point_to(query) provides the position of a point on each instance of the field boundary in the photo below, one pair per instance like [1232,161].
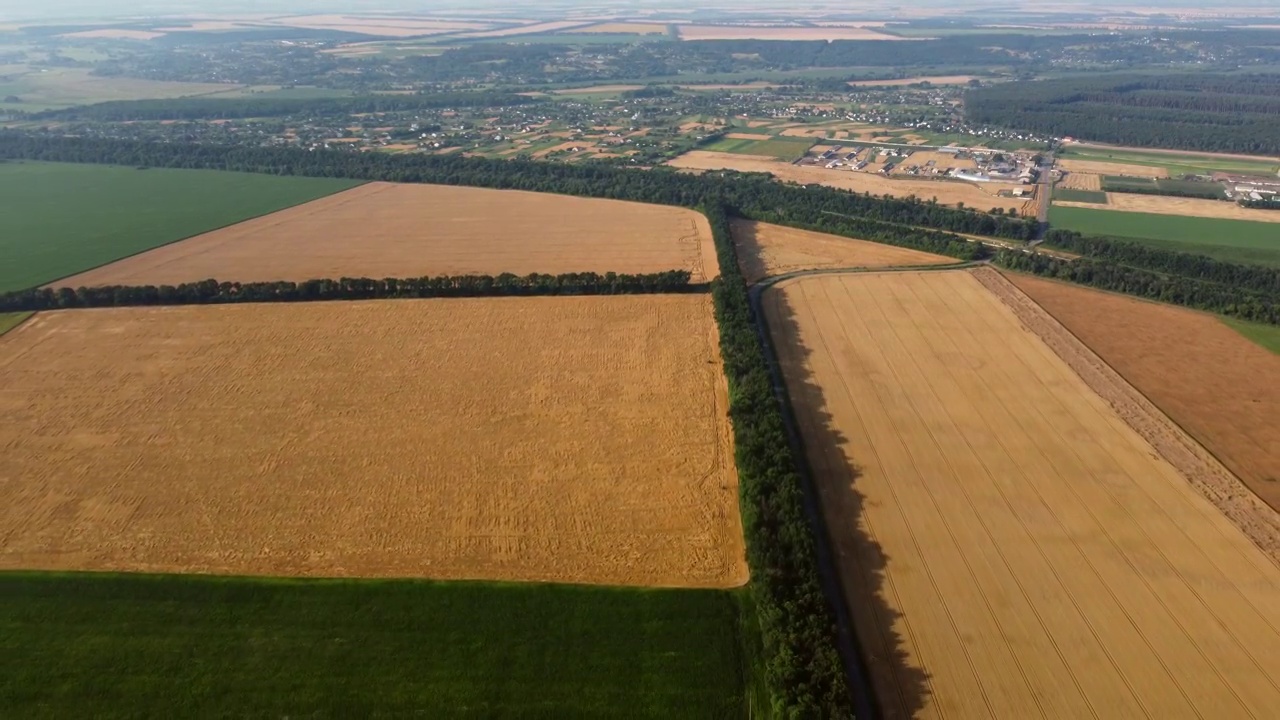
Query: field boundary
[1202,470]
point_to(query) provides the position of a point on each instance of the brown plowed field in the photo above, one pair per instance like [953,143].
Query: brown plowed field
[1221,388]
[387,230]
[557,439]
[765,250]
[1190,207]
[1081,181]
[948,192]
[1011,547]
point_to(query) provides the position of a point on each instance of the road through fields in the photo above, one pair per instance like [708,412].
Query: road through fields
[1009,546]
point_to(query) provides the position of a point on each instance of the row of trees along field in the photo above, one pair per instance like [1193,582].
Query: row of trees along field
[252,107]
[802,665]
[1105,275]
[1253,278]
[1226,113]
[212,292]
[752,193]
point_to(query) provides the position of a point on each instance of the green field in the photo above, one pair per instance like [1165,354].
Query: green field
[99,645]
[55,88]
[1176,164]
[1268,336]
[782,148]
[1084,196]
[1239,241]
[9,321]
[60,219]
[1167,186]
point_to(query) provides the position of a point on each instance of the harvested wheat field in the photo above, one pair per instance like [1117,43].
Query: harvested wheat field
[1221,388]
[765,250]
[558,439]
[1094,167]
[1011,547]
[751,32]
[948,192]
[1190,207]
[1081,181]
[386,230]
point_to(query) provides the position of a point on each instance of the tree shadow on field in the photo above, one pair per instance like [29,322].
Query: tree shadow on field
[898,687]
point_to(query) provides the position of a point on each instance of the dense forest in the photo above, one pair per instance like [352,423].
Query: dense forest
[802,664]
[212,292]
[752,194]
[1216,297]
[198,108]
[1198,267]
[1226,113]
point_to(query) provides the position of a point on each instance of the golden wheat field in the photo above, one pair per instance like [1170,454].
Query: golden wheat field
[387,230]
[1010,547]
[550,439]
[1081,181]
[765,250]
[948,192]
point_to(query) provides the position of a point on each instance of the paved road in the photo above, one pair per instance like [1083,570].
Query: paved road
[1043,194]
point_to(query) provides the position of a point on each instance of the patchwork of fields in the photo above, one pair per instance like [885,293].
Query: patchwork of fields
[558,439]
[60,219]
[1010,546]
[1221,388]
[388,230]
[1241,241]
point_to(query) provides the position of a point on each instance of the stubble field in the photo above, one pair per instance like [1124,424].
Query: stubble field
[765,250]
[551,439]
[388,230]
[947,192]
[1221,388]
[1081,181]
[1096,167]
[1010,546]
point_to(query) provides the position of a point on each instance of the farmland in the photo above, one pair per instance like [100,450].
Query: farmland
[1222,389]
[389,230]
[1010,546]
[46,88]
[80,645]
[780,148]
[554,439]
[9,321]
[1181,206]
[1072,195]
[765,250]
[1238,241]
[947,192]
[751,32]
[1163,163]
[122,211]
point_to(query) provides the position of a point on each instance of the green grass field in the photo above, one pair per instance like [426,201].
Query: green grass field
[1169,186]
[1085,196]
[1268,336]
[100,645]
[1239,241]
[1176,164]
[9,321]
[60,219]
[782,148]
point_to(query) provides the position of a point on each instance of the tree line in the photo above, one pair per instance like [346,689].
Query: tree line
[802,665]
[1228,113]
[749,192]
[198,108]
[212,292]
[1215,297]
[1252,278]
